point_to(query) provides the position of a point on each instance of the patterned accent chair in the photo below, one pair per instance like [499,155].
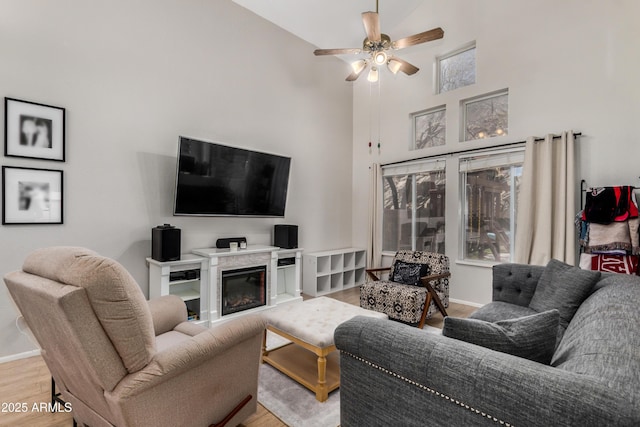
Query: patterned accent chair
[417,287]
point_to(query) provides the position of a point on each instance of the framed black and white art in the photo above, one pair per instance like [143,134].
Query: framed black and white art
[31,196]
[33,130]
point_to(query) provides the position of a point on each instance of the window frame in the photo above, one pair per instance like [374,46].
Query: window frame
[438,67]
[483,97]
[517,157]
[410,168]
[414,116]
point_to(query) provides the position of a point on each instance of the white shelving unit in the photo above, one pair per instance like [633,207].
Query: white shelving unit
[330,271]
[186,278]
[289,275]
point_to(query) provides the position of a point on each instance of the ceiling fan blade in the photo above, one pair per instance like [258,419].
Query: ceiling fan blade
[405,67]
[337,51]
[427,36]
[354,76]
[371,23]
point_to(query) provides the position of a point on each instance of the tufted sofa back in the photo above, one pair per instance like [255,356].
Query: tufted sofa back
[515,283]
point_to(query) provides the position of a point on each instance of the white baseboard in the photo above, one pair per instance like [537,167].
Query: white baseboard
[19,356]
[459,301]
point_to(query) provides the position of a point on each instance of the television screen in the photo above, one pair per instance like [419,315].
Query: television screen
[215,179]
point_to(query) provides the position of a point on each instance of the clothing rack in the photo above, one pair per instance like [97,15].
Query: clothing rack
[474,150]
[583,192]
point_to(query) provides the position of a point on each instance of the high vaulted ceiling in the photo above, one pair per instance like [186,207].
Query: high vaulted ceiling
[332,23]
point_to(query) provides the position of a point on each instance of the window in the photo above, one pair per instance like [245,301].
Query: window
[413,206]
[490,192]
[429,128]
[486,116]
[456,69]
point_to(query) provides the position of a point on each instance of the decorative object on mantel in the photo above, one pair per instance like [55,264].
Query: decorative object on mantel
[377,47]
[33,130]
[31,196]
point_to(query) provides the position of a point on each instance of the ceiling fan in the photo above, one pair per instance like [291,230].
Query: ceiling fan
[379,47]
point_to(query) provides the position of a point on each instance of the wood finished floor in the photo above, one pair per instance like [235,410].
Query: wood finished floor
[28,381]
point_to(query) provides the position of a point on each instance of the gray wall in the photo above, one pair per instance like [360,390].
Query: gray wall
[133,76]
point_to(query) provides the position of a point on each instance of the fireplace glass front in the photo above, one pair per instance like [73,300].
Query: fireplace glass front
[243,289]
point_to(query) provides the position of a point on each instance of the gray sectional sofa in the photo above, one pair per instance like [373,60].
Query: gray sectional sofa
[395,375]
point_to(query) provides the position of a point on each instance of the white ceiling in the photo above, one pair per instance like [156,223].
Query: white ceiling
[332,24]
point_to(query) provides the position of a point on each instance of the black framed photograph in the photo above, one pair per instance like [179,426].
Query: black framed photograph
[33,130]
[31,196]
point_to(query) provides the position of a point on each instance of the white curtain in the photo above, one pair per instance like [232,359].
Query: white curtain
[374,237]
[546,206]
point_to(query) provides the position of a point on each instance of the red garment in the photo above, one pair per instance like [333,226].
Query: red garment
[605,205]
[626,264]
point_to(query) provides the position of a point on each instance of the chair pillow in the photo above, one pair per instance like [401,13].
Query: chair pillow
[563,287]
[408,273]
[531,337]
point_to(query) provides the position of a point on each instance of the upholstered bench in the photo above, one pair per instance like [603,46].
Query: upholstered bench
[310,358]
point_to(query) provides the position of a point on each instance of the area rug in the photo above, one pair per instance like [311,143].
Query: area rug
[292,403]
[295,405]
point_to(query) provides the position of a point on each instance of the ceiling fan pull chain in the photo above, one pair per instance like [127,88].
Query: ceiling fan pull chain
[370,119]
[379,108]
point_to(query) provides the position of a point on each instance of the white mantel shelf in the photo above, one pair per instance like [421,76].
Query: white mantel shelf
[217,252]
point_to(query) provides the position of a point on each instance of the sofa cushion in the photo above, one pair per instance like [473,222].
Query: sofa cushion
[563,287]
[409,273]
[603,338]
[498,310]
[532,337]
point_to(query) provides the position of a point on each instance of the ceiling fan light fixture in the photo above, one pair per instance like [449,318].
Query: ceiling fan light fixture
[373,75]
[380,58]
[394,66]
[358,66]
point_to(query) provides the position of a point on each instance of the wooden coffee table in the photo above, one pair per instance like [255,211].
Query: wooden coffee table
[310,358]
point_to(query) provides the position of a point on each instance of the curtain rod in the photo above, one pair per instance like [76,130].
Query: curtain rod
[471,150]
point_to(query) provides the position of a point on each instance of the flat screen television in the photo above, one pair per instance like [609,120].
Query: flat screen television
[218,180]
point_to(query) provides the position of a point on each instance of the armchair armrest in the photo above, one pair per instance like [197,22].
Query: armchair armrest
[425,280]
[179,359]
[371,272]
[167,312]
[395,374]
[207,376]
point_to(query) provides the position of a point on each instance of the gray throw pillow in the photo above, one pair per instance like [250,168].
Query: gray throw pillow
[563,287]
[531,337]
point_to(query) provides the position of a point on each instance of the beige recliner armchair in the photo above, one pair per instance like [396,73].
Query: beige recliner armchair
[120,360]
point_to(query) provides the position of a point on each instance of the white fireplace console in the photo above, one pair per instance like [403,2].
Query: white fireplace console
[282,277]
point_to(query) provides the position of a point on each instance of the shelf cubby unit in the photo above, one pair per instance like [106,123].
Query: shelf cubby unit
[336,263]
[185,278]
[331,271]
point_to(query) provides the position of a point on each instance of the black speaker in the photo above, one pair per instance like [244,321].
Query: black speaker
[224,243]
[165,243]
[285,236]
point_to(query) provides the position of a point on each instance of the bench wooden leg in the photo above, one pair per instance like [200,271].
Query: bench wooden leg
[322,393]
